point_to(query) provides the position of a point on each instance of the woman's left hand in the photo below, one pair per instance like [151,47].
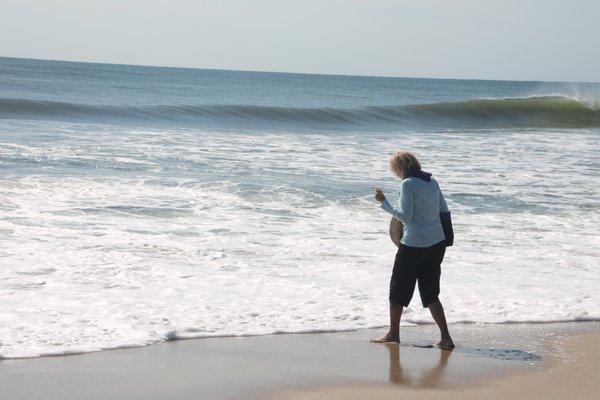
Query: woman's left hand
[379,196]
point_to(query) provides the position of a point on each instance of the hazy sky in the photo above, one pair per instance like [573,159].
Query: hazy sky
[500,39]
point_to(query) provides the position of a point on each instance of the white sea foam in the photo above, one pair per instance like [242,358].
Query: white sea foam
[115,238]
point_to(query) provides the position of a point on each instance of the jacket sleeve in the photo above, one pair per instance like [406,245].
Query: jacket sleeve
[406,210]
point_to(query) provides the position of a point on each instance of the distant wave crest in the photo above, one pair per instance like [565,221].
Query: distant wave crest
[536,111]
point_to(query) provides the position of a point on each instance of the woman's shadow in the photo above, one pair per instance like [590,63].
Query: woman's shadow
[431,377]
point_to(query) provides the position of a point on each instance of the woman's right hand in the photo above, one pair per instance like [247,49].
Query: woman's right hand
[379,196]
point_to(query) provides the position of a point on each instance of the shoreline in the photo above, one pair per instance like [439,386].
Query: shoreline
[71,353]
[294,365]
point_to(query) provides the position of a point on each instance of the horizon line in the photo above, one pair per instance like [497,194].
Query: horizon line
[291,72]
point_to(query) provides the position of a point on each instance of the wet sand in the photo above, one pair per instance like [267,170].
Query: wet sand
[574,376]
[310,366]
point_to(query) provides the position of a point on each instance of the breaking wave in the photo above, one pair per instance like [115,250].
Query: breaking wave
[536,111]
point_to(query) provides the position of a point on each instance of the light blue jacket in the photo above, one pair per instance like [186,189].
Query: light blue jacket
[420,205]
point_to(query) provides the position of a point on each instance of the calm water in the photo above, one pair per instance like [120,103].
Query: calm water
[143,204]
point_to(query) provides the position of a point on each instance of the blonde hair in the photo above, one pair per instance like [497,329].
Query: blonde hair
[402,162]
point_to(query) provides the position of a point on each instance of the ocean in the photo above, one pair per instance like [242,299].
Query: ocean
[146,204]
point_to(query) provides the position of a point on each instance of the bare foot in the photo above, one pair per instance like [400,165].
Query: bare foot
[389,338]
[445,344]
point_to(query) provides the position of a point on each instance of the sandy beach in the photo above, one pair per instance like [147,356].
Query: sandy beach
[571,377]
[515,360]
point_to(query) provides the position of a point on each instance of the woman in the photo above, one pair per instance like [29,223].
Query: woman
[422,247]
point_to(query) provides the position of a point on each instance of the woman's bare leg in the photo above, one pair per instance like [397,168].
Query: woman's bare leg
[393,334]
[437,312]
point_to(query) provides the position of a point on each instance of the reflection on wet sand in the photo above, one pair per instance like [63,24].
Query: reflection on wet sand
[431,377]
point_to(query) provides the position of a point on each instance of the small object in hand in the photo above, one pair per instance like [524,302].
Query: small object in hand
[396,231]
[379,196]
